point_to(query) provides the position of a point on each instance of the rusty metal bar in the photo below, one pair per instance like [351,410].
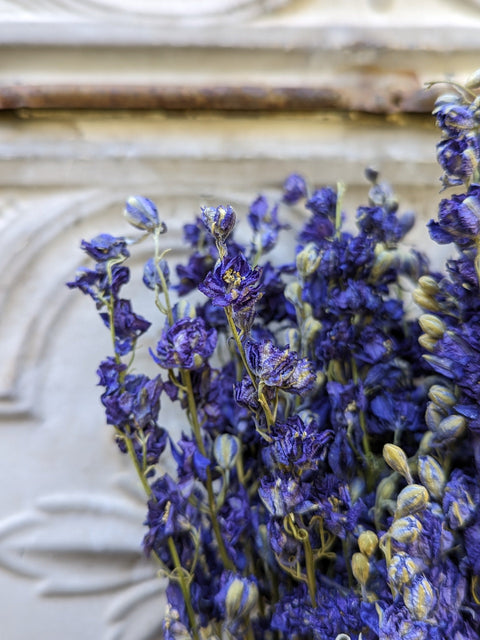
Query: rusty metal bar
[216,98]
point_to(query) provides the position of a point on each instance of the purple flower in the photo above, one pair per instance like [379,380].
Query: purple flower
[458,158]
[232,283]
[321,225]
[105,247]
[294,189]
[170,515]
[458,219]
[193,273]
[151,277]
[281,368]
[297,444]
[453,118]
[282,494]
[187,344]
[219,221]
[459,503]
[128,326]
[142,213]
[265,224]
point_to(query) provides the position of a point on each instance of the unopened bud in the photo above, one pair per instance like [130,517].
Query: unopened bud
[397,460]
[427,342]
[451,427]
[428,285]
[308,260]
[425,301]
[432,476]
[142,213]
[473,80]
[293,338]
[433,416]
[360,568]
[432,325]
[442,396]
[411,499]
[293,293]
[153,273]
[419,597]
[226,449]
[241,598]
[402,569]
[406,529]
[310,328]
[219,221]
[383,262]
[368,543]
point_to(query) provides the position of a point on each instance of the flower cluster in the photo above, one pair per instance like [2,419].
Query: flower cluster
[327,478]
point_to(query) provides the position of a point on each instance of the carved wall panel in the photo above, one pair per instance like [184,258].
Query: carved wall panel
[237,95]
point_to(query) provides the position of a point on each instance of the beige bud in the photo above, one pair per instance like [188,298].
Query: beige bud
[425,301]
[451,427]
[411,499]
[402,569]
[406,529]
[428,285]
[396,459]
[432,476]
[368,543]
[442,396]
[419,597]
[427,342]
[432,325]
[308,260]
[360,568]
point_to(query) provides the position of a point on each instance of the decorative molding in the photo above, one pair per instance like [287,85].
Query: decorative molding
[75,545]
[161,10]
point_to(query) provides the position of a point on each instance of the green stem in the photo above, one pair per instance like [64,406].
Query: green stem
[338,208]
[241,351]
[192,408]
[183,586]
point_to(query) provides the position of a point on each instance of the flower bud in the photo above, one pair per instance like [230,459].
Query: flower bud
[428,285]
[142,213]
[402,569]
[427,342]
[293,339]
[442,396]
[368,543]
[473,80]
[383,262]
[432,325]
[432,476]
[310,328]
[451,427]
[433,416]
[360,568]
[426,443]
[219,221]
[293,293]
[419,597]
[425,301]
[226,449]
[397,460]
[406,529]
[308,260]
[151,275]
[411,499]
[241,598]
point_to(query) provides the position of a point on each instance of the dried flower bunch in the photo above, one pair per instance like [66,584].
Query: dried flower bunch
[328,474]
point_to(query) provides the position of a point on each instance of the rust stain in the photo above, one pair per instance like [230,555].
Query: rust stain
[369,96]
